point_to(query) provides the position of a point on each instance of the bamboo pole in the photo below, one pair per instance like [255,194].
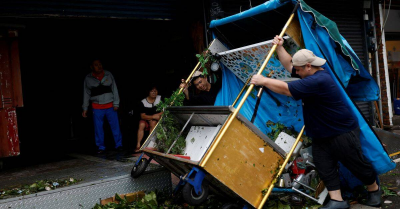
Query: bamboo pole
[190,76]
[234,114]
[241,92]
[194,70]
[271,186]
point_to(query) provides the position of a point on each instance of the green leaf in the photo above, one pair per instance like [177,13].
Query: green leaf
[283,206]
[117,197]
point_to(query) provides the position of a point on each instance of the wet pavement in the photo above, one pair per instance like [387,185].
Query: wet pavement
[391,180]
[78,166]
[93,168]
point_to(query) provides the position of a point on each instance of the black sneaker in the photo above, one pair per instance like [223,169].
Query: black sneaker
[120,149]
[374,198]
[100,152]
[334,204]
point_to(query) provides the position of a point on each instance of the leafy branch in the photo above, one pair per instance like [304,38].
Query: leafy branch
[277,128]
[168,129]
[38,186]
[204,59]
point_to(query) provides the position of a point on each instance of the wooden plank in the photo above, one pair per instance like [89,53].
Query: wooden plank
[130,197]
[170,156]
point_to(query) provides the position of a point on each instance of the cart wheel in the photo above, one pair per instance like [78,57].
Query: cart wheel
[139,169]
[230,206]
[190,196]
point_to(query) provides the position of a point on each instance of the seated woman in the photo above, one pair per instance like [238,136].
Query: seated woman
[148,114]
[207,91]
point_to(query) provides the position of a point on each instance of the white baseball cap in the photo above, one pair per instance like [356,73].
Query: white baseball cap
[304,56]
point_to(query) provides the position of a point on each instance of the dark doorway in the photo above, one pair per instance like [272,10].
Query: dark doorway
[55,56]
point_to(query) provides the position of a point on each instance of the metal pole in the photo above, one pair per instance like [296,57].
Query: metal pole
[305,194]
[234,114]
[154,129]
[378,80]
[190,76]
[281,169]
[180,133]
[241,92]
[385,67]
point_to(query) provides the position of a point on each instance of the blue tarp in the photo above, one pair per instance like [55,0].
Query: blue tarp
[322,39]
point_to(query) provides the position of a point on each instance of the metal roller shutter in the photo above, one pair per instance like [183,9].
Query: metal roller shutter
[141,9]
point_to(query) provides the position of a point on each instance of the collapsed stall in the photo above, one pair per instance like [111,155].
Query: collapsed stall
[236,147]
[321,36]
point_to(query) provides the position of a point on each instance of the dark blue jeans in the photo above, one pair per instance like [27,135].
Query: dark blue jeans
[98,119]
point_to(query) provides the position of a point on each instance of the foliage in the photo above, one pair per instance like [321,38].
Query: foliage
[277,128]
[149,201]
[157,200]
[176,99]
[387,192]
[277,204]
[38,186]
[168,129]
[204,59]
[284,203]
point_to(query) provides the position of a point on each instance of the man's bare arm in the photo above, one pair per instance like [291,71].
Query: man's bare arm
[284,57]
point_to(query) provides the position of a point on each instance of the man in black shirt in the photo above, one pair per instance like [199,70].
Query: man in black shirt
[328,120]
[208,91]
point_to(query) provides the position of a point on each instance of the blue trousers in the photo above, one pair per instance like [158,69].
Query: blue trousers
[98,119]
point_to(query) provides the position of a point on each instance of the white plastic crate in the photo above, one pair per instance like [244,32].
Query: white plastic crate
[198,140]
[285,141]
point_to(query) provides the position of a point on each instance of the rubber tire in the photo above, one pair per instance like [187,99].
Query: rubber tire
[190,196]
[230,206]
[140,168]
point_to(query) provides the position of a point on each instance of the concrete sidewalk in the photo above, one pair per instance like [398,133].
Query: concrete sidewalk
[391,180]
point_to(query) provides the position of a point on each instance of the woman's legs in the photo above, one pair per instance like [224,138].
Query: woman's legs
[152,124]
[142,126]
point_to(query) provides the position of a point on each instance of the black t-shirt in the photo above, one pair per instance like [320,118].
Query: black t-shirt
[324,110]
[204,97]
[149,108]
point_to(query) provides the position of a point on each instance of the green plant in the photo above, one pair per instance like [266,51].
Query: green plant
[387,192]
[167,131]
[277,204]
[204,59]
[168,128]
[149,201]
[38,186]
[176,99]
[159,200]
[277,128]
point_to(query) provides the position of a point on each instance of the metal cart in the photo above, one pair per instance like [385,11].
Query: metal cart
[243,163]
[234,157]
